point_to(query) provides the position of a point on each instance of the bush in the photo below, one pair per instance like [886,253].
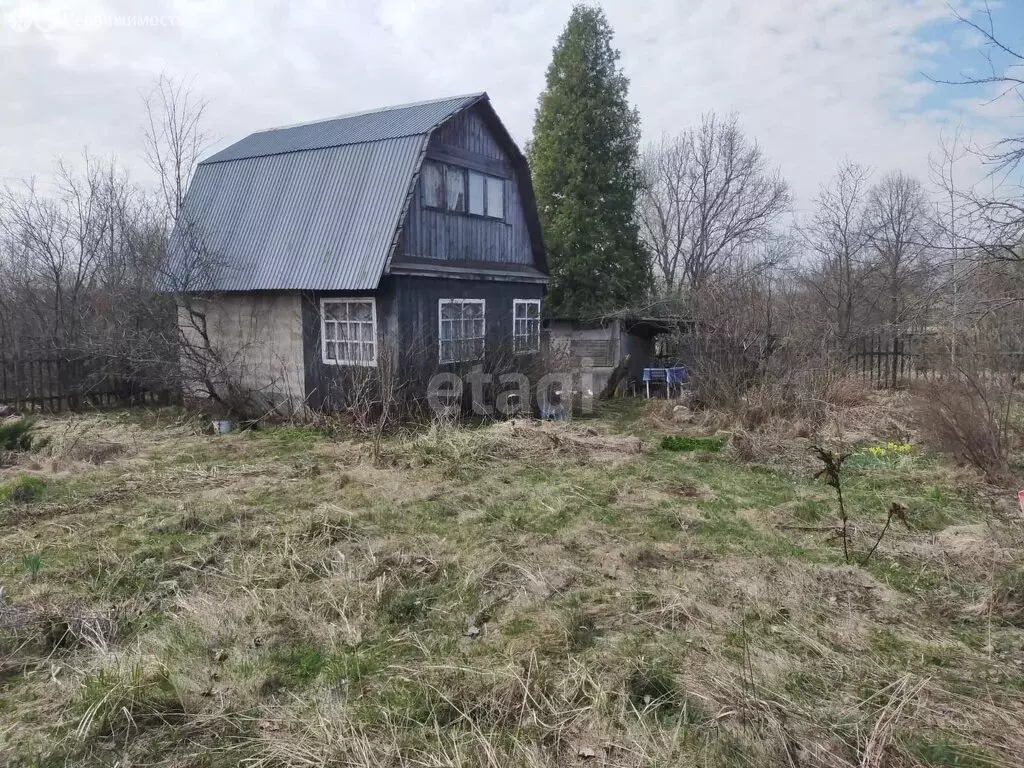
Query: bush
[16,435]
[969,420]
[22,489]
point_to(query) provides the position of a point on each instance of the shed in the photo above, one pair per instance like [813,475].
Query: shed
[601,343]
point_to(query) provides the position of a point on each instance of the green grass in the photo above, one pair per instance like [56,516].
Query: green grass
[945,751]
[683,443]
[22,490]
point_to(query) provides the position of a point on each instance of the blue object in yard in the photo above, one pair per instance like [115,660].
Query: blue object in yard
[675,375]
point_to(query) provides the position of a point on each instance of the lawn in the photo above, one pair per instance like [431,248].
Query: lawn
[517,594]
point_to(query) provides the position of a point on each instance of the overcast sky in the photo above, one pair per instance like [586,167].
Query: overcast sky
[812,80]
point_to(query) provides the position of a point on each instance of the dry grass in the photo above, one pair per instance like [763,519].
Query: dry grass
[520,594]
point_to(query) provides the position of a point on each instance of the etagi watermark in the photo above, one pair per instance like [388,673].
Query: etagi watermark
[50,20]
[510,394]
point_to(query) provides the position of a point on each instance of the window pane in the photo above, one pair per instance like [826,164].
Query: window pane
[533,309]
[455,189]
[367,331]
[330,331]
[495,198]
[330,351]
[449,310]
[446,351]
[433,185]
[361,311]
[334,311]
[476,193]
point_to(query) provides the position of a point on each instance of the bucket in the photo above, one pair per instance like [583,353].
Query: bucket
[221,427]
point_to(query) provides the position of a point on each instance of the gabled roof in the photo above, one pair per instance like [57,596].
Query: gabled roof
[316,206]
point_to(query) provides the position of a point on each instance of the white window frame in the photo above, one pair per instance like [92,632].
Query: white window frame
[372,301]
[516,303]
[440,333]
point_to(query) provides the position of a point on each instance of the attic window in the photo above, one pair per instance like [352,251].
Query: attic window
[457,190]
[433,185]
[349,331]
[486,195]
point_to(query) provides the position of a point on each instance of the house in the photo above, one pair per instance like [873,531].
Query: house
[405,237]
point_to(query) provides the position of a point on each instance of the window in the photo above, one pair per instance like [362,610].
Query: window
[461,329]
[455,189]
[349,331]
[433,185]
[477,196]
[460,191]
[495,198]
[526,325]
[486,195]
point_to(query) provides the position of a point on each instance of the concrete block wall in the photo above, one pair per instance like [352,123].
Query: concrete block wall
[256,339]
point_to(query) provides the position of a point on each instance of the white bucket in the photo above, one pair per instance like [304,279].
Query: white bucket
[221,427]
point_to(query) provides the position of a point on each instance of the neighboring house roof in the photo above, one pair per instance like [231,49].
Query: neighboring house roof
[316,206]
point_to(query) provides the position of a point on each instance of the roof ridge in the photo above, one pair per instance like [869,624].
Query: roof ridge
[212,161]
[378,110]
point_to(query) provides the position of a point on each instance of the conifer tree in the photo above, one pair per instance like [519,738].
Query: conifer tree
[585,161]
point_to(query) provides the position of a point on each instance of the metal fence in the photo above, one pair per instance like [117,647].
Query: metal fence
[61,383]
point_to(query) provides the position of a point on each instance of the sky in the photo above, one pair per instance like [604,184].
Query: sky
[813,81]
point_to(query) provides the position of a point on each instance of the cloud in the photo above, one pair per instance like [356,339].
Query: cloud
[813,81]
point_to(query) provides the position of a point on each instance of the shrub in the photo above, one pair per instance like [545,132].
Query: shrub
[682,443]
[22,489]
[16,435]
[969,420]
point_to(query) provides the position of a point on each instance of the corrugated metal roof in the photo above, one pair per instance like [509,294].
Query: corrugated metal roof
[387,123]
[317,220]
[306,207]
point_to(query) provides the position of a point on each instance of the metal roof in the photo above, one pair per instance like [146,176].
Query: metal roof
[375,125]
[306,207]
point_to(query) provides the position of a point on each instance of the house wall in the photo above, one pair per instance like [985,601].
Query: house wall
[434,234]
[255,344]
[407,330]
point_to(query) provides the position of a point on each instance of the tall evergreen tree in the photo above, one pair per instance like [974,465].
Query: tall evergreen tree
[585,160]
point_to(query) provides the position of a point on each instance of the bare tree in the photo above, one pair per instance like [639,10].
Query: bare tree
[1005,65]
[837,236]
[901,232]
[174,138]
[996,207]
[709,194]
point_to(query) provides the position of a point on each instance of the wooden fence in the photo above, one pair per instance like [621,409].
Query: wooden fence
[897,361]
[58,383]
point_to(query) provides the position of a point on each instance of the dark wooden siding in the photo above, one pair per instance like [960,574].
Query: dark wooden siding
[437,234]
[407,326]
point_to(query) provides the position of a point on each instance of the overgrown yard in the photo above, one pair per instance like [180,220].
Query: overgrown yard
[518,594]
